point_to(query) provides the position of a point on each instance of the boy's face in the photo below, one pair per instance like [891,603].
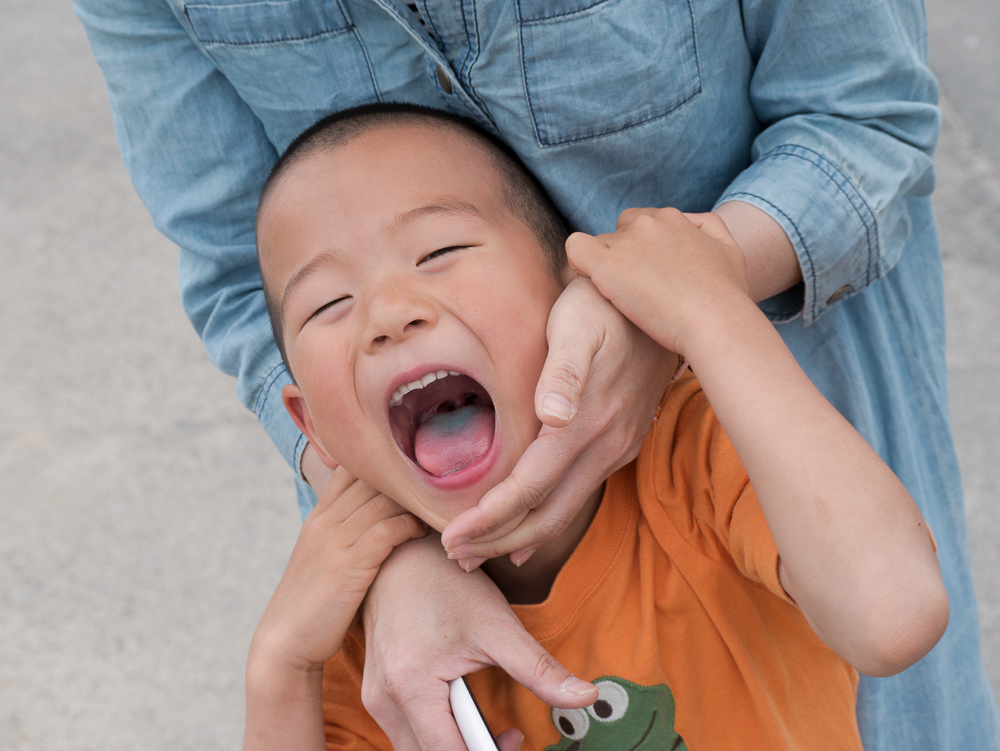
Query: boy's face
[402,267]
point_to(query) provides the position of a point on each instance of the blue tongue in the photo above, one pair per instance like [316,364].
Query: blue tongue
[451,441]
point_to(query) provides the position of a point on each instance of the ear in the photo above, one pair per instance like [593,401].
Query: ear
[296,405]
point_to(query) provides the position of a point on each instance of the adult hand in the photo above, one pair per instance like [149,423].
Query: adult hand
[461,624]
[596,397]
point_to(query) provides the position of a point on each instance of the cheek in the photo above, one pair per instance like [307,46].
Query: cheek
[514,334]
[324,374]
[518,329]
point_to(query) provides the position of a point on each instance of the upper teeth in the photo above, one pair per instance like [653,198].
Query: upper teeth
[397,396]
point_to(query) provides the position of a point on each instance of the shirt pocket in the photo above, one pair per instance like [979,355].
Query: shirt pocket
[594,68]
[292,61]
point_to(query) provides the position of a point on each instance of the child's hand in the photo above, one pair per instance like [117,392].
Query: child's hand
[664,270]
[345,539]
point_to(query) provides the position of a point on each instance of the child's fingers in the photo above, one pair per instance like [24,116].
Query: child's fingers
[376,510]
[342,507]
[712,225]
[630,215]
[340,482]
[379,539]
[583,251]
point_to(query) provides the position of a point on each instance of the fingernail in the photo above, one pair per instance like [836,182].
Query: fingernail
[457,554]
[518,746]
[452,544]
[577,687]
[555,405]
[472,564]
[521,556]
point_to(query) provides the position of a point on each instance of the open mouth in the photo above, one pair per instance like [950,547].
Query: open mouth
[444,421]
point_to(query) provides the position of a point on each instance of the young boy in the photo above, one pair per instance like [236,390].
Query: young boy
[409,265]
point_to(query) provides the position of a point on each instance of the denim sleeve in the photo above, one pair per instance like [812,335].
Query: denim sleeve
[850,122]
[197,157]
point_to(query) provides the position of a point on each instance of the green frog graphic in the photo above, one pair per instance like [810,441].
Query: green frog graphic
[625,717]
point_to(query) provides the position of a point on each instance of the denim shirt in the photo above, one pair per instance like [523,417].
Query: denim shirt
[822,114]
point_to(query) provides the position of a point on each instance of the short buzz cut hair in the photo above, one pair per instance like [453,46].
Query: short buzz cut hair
[523,195]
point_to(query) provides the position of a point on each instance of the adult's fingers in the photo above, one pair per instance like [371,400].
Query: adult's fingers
[561,505]
[575,332]
[415,714]
[525,660]
[538,470]
[577,327]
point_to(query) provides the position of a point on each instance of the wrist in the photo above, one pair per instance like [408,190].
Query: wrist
[731,321]
[274,677]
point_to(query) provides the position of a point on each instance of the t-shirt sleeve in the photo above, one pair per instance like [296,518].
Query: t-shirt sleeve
[347,724]
[750,543]
[704,488]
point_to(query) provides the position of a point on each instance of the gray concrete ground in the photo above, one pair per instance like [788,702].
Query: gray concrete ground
[145,516]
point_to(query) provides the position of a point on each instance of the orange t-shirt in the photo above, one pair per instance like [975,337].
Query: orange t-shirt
[670,603]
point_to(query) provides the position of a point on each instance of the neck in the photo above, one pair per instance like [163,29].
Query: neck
[531,582]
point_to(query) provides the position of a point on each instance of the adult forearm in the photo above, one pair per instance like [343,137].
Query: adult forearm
[772,265]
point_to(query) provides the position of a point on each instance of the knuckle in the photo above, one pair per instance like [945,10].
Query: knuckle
[387,530]
[624,440]
[627,215]
[550,527]
[546,665]
[530,495]
[568,374]
[395,685]
[384,505]
[620,445]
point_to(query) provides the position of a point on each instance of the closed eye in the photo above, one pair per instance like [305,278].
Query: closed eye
[328,305]
[441,252]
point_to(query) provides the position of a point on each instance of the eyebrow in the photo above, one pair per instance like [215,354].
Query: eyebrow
[448,206]
[326,258]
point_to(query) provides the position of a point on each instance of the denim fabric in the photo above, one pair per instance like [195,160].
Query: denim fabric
[821,114]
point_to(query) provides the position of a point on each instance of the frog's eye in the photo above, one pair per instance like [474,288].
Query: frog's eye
[611,704]
[573,723]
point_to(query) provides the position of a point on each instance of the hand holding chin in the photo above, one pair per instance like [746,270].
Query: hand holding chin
[596,397]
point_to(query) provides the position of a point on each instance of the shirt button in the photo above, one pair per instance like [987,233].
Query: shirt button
[444,80]
[838,294]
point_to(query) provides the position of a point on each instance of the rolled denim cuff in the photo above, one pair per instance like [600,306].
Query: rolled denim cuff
[831,227]
[271,413]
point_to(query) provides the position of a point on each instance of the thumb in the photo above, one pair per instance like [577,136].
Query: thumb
[510,740]
[527,662]
[582,250]
[712,225]
[572,347]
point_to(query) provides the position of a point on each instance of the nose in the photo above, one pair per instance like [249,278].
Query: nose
[396,314]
